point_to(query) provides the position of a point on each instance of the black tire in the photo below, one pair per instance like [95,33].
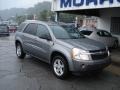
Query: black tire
[22,54]
[97,72]
[8,35]
[115,45]
[65,69]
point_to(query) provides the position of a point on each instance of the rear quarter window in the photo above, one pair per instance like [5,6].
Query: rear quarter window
[21,27]
[31,29]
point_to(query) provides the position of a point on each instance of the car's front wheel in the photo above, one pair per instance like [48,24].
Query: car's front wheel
[60,67]
[19,51]
[115,44]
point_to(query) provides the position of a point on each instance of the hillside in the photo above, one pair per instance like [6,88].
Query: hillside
[6,14]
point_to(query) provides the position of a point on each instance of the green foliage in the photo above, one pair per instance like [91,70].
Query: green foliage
[20,19]
[30,17]
[44,15]
[43,12]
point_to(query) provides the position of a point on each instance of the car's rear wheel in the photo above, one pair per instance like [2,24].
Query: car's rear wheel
[19,51]
[60,67]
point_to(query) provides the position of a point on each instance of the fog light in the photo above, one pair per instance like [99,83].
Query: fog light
[83,66]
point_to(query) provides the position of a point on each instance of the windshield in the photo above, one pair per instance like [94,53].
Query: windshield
[61,33]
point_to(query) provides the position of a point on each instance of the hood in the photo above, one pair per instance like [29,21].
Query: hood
[83,43]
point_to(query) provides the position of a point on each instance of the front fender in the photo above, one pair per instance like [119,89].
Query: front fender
[67,54]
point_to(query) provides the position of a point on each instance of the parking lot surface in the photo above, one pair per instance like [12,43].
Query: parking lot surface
[32,74]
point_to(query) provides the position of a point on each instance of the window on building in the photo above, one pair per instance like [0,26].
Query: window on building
[115,25]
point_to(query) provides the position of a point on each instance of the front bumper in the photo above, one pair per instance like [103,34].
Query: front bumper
[91,65]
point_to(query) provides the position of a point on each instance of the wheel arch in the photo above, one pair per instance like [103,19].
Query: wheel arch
[54,53]
[17,41]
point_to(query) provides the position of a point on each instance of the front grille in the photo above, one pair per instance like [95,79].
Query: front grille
[99,54]
[95,51]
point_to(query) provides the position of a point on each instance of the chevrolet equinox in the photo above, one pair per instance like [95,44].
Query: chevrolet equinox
[64,51]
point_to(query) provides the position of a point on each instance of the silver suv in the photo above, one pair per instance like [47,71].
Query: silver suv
[64,51]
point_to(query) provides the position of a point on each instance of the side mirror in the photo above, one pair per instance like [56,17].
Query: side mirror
[46,36]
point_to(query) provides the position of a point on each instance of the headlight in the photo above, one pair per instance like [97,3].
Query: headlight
[78,54]
[108,53]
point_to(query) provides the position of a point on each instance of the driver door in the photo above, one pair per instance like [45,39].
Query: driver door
[43,46]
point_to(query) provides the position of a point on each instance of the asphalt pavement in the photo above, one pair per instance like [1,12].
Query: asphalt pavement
[32,74]
[115,55]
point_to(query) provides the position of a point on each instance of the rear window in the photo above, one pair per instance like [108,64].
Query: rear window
[86,32]
[21,27]
[3,28]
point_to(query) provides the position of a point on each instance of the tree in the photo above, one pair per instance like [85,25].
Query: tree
[30,17]
[43,15]
[46,15]
[20,19]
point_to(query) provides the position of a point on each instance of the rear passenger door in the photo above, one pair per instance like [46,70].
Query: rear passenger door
[29,36]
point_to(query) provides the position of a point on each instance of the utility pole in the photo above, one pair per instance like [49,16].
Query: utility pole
[1,20]
[57,16]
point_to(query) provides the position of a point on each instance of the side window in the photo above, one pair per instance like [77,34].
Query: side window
[86,32]
[100,33]
[107,34]
[104,34]
[42,31]
[31,29]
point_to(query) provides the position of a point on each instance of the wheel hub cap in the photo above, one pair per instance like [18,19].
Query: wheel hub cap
[18,50]
[58,67]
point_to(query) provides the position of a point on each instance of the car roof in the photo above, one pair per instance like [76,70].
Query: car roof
[102,30]
[41,22]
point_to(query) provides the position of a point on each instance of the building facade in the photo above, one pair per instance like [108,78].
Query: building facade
[106,11]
